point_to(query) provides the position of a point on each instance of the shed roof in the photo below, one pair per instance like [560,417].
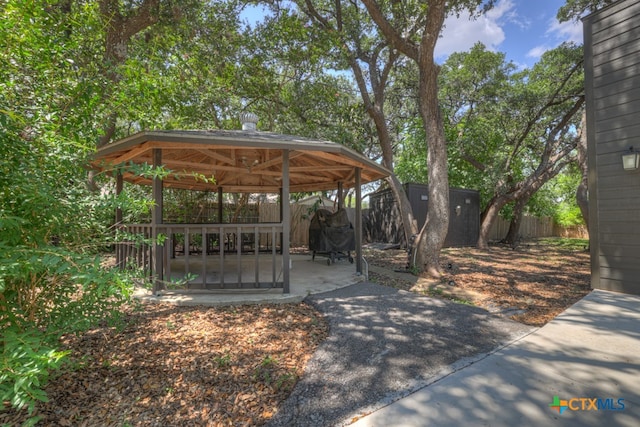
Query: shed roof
[240,161]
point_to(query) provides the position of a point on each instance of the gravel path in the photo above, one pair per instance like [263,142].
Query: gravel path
[384,344]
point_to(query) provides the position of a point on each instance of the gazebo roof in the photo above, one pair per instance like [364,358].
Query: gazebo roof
[240,161]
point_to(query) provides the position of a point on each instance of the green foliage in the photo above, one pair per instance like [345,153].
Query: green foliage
[510,131]
[565,243]
[51,227]
[268,371]
[24,368]
[411,164]
[265,371]
[51,279]
[45,292]
[568,216]
[222,361]
[576,9]
[472,86]
[557,199]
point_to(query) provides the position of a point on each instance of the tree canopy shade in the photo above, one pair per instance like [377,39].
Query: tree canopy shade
[238,161]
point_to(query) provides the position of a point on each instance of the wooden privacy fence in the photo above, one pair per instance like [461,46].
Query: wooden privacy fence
[537,227]
[531,227]
[573,232]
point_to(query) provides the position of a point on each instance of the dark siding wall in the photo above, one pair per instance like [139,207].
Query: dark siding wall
[384,223]
[464,222]
[612,74]
[464,218]
[418,195]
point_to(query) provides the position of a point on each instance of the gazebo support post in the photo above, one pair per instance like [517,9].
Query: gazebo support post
[156,220]
[358,220]
[286,222]
[340,195]
[120,259]
[281,220]
[119,187]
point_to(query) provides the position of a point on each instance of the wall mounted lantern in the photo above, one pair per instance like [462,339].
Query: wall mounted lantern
[630,160]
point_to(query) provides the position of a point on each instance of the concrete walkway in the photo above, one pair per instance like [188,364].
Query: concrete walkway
[384,344]
[590,351]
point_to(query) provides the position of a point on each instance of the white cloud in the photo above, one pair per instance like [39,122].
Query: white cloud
[537,51]
[460,34]
[566,31]
[557,33]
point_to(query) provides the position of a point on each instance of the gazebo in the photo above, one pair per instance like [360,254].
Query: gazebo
[247,161]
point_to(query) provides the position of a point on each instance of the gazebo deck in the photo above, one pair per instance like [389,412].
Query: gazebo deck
[307,277]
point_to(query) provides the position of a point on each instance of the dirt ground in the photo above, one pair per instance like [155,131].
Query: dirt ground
[196,366]
[531,283]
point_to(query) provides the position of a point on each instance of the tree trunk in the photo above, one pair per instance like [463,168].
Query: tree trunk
[513,235]
[409,223]
[582,199]
[434,231]
[375,109]
[487,218]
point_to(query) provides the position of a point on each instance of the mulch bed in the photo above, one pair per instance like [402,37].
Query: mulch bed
[536,281]
[183,366]
[234,366]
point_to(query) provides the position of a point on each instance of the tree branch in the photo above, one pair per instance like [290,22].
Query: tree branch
[397,41]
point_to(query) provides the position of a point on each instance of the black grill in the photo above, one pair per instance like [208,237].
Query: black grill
[332,235]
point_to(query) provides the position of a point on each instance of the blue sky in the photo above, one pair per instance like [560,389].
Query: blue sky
[522,29]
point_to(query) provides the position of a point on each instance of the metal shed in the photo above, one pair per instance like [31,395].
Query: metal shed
[464,217]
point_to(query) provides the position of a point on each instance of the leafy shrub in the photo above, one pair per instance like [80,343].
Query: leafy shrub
[46,292]
[52,228]
[26,362]
[52,283]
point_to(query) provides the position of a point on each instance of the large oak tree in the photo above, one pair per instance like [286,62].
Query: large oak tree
[413,28]
[517,129]
[356,45]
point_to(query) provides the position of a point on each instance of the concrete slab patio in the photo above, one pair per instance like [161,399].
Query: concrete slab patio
[550,377]
[307,277]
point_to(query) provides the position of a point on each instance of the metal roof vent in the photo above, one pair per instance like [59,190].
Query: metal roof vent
[249,122]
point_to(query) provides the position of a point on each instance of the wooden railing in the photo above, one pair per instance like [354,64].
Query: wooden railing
[206,256]
[134,248]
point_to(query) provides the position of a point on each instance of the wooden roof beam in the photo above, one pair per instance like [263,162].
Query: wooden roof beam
[217,156]
[336,158]
[275,161]
[138,151]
